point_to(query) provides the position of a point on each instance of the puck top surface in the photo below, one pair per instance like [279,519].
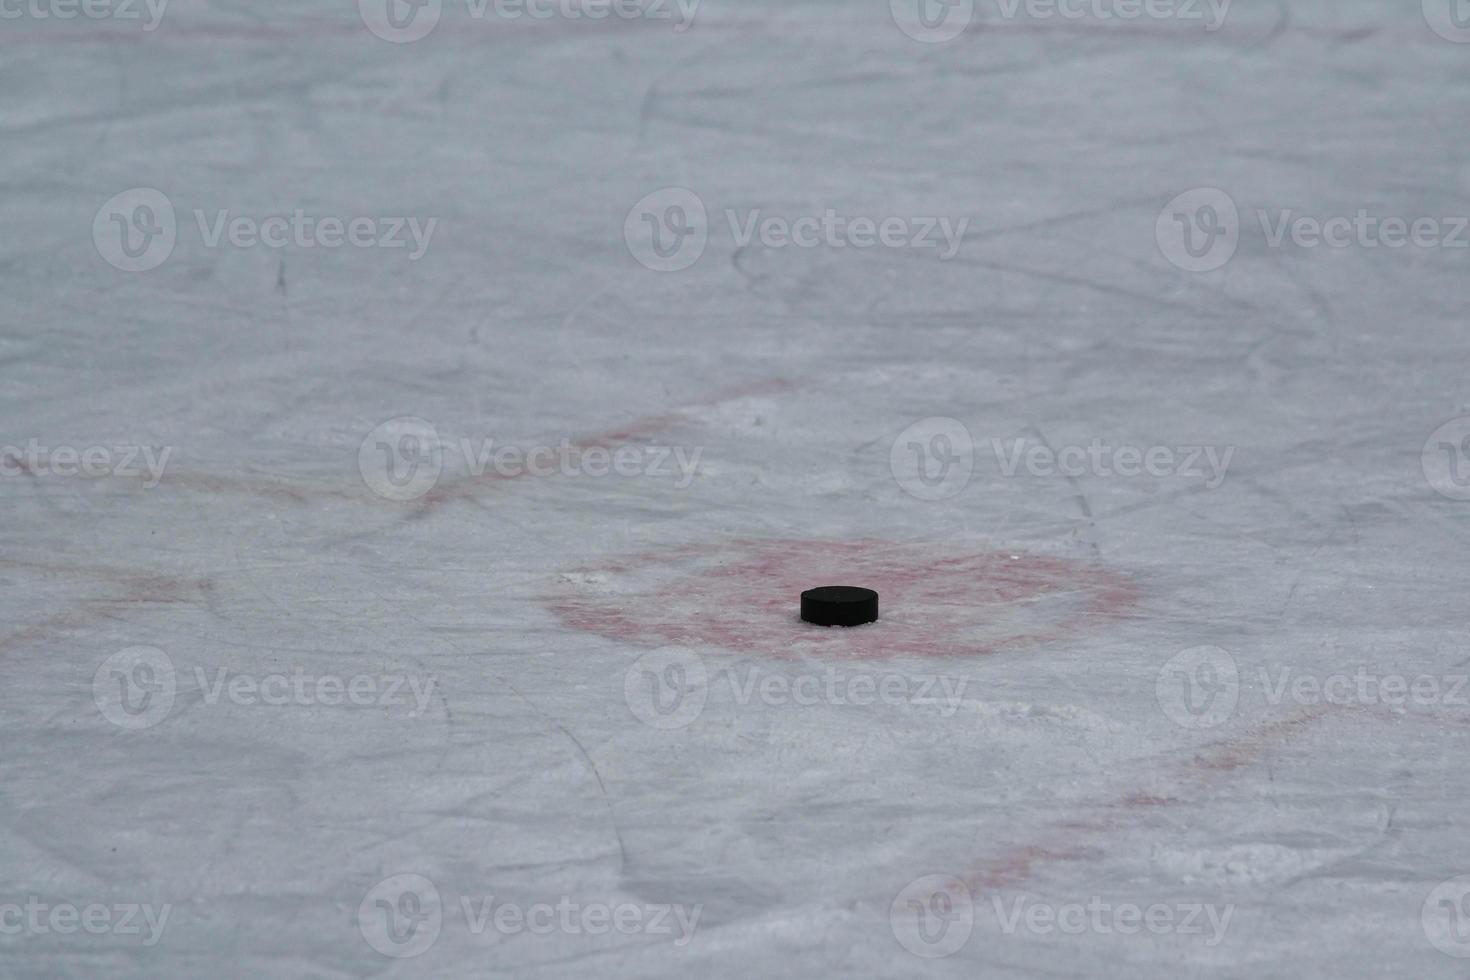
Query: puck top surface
[839,605]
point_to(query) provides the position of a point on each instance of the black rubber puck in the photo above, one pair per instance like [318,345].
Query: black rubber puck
[839,605]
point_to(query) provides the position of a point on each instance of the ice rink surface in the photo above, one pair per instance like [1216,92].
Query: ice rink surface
[419,428]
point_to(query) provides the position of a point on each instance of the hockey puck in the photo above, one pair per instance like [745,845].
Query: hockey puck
[839,605]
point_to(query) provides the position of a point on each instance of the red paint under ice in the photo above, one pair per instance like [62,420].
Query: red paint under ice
[935,600]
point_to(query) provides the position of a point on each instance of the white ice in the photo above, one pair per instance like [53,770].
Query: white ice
[159,818]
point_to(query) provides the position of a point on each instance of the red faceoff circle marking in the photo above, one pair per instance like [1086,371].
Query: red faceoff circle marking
[936,600]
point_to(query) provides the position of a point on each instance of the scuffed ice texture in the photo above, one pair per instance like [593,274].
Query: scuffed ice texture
[515,760]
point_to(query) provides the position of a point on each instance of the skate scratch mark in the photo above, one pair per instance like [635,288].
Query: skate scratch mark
[1078,493]
[549,720]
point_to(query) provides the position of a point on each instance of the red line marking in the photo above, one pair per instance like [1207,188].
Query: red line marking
[137,588]
[144,587]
